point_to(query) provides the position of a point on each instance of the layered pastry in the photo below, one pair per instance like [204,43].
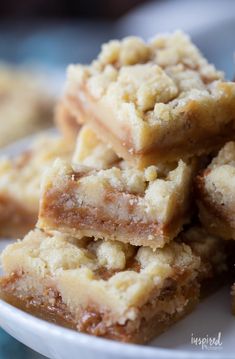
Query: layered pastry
[108,288]
[216,194]
[141,207]
[20,184]
[26,103]
[153,102]
[66,122]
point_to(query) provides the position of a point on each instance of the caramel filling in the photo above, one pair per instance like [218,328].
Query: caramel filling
[56,214]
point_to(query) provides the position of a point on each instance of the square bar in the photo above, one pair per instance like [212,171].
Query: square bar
[107,288]
[129,205]
[216,194]
[153,102]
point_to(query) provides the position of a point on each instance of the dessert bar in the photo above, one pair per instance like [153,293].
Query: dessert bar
[129,205]
[153,102]
[107,288]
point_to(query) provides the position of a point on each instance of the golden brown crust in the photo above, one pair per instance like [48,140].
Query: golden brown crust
[109,289]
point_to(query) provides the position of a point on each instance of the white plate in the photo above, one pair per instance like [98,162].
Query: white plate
[210,318]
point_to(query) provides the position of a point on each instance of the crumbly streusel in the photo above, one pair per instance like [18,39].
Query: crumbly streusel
[149,100]
[108,288]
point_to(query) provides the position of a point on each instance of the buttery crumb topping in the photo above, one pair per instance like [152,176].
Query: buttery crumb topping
[140,78]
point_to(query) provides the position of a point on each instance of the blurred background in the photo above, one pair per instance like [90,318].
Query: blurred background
[54,33]
[39,38]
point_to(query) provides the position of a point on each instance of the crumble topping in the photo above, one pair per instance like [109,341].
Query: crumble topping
[129,51]
[177,48]
[135,181]
[208,247]
[143,85]
[151,173]
[226,156]
[112,255]
[221,183]
[72,263]
[168,70]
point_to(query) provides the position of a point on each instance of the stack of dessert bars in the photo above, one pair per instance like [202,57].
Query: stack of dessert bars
[118,250]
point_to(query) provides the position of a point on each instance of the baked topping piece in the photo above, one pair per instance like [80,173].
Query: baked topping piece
[20,184]
[216,193]
[107,288]
[156,101]
[26,103]
[92,152]
[130,205]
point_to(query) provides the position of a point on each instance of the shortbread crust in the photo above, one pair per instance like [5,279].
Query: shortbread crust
[128,205]
[107,288]
[155,101]
[20,184]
